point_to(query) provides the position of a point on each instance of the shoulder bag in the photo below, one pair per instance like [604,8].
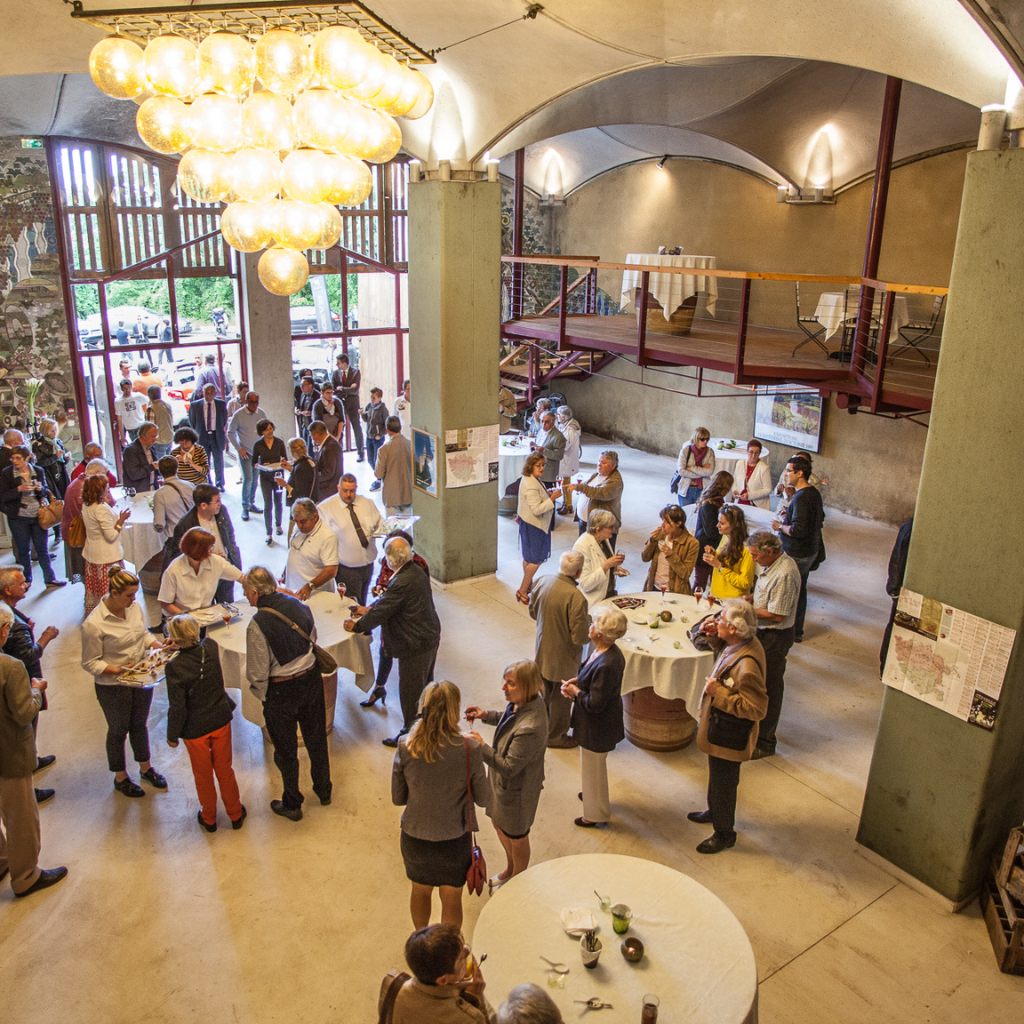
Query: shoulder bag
[50,514]
[76,532]
[390,986]
[728,730]
[325,662]
[476,876]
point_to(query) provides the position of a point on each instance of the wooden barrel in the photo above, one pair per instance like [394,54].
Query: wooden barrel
[678,323]
[149,576]
[657,723]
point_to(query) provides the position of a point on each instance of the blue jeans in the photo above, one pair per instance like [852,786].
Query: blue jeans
[373,445]
[248,482]
[690,496]
[160,450]
[25,532]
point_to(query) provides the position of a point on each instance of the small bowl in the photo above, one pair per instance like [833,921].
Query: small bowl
[632,949]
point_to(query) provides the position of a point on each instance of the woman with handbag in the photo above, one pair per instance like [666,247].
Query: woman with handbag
[733,566]
[302,481]
[695,467]
[535,515]
[436,770]
[52,458]
[734,701]
[102,550]
[596,714]
[199,712]
[515,761]
[24,499]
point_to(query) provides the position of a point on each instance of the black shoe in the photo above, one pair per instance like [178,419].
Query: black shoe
[579,796]
[44,762]
[701,817]
[152,776]
[379,694]
[360,459]
[237,823]
[129,788]
[391,741]
[583,823]
[292,813]
[270,540]
[258,511]
[798,639]
[203,825]
[245,517]
[376,485]
[325,801]
[56,583]
[44,881]
[760,752]
[717,843]
[42,795]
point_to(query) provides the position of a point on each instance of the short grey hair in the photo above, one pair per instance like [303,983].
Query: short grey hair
[566,414]
[571,563]
[741,616]
[92,446]
[7,576]
[543,403]
[13,437]
[610,453]
[306,506]
[398,552]
[611,624]
[600,519]
[6,616]
[528,1004]
[95,467]
[147,427]
[764,540]
[184,630]
[261,579]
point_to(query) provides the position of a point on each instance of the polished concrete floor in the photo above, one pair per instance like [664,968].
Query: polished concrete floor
[158,921]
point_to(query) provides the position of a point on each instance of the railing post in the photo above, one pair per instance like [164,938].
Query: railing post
[592,290]
[531,364]
[563,303]
[641,329]
[883,348]
[518,199]
[741,333]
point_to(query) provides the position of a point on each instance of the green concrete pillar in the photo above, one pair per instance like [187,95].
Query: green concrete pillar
[454,311]
[941,794]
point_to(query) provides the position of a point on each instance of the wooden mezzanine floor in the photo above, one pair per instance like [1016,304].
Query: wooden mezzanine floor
[768,358]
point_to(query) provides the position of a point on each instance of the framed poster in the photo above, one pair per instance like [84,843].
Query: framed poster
[792,420]
[424,462]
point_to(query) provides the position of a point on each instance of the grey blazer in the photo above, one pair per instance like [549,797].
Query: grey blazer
[434,792]
[516,763]
[563,625]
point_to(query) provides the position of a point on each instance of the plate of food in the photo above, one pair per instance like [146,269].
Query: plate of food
[148,672]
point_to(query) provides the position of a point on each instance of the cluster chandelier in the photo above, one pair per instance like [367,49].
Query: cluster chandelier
[281,130]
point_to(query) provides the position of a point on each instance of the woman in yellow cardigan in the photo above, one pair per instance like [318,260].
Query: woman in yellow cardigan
[732,562]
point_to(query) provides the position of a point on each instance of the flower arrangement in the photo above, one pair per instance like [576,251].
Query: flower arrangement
[34,385]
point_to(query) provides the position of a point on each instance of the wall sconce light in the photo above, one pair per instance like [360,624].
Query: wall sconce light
[444,169]
[492,170]
[415,170]
[661,162]
[993,124]
[783,194]
[819,193]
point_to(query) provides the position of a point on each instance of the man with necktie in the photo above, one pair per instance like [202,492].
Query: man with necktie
[346,387]
[208,417]
[352,519]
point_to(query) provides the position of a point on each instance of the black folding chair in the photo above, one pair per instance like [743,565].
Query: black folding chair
[913,333]
[804,323]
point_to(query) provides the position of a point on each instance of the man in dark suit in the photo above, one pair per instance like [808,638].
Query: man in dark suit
[346,387]
[327,454]
[122,334]
[208,417]
[138,465]
[209,514]
[410,628]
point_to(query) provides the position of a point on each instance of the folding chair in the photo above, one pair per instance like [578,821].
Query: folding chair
[804,322]
[915,332]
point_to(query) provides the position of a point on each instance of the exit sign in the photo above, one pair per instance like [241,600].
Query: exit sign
[31,143]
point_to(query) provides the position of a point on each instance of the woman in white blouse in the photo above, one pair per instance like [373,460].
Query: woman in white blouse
[599,561]
[190,582]
[754,482]
[114,637]
[102,549]
[536,517]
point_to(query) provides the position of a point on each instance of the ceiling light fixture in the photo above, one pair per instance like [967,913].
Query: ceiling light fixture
[661,162]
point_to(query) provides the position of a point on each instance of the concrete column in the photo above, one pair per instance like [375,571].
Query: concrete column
[269,336]
[941,794]
[454,307]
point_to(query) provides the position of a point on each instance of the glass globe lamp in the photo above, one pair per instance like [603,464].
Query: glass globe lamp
[216,122]
[171,66]
[373,81]
[297,225]
[391,145]
[255,175]
[394,79]
[331,230]
[163,124]
[268,122]
[340,57]
[306,175]
[424,98]
[283,271]
[406,97]
[322,118]
[118,68]
[226,64]
[282,61]
[203,175]
[248,227]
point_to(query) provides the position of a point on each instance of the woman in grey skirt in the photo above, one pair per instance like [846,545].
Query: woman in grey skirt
[516,763]
[432,767]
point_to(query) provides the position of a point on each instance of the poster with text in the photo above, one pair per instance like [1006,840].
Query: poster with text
[793,420]
[948,658]
[471,455]
[424,462]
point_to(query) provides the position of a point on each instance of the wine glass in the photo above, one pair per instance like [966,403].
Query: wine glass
[698,593]
[130,492]
[663,587]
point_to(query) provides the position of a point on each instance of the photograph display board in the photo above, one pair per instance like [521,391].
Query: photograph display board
[792,420]
[424,462]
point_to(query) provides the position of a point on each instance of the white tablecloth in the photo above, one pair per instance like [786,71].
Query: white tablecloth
[829,312]
[138,538]
[511,459]
[733,460]
[671,290]
[697,957]
[651,657]
[757,518]
[350,650]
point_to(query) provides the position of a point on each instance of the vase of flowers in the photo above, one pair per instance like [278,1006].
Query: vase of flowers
[33,385]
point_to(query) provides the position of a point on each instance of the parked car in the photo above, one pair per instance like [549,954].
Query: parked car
[179,383]
[304,320]
[90,328]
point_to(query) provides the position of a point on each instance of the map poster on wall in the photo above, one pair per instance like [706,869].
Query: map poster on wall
[471,456]
[793,420]
[948,658]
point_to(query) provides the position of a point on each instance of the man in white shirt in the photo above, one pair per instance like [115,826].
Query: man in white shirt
[403,408]
[312,553]
[173,500]
[242,435]
[130,410]
[352,520]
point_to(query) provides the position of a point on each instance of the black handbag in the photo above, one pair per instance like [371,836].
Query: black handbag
[728,730]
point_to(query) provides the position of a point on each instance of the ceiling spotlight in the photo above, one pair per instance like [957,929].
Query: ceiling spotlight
[661,162]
